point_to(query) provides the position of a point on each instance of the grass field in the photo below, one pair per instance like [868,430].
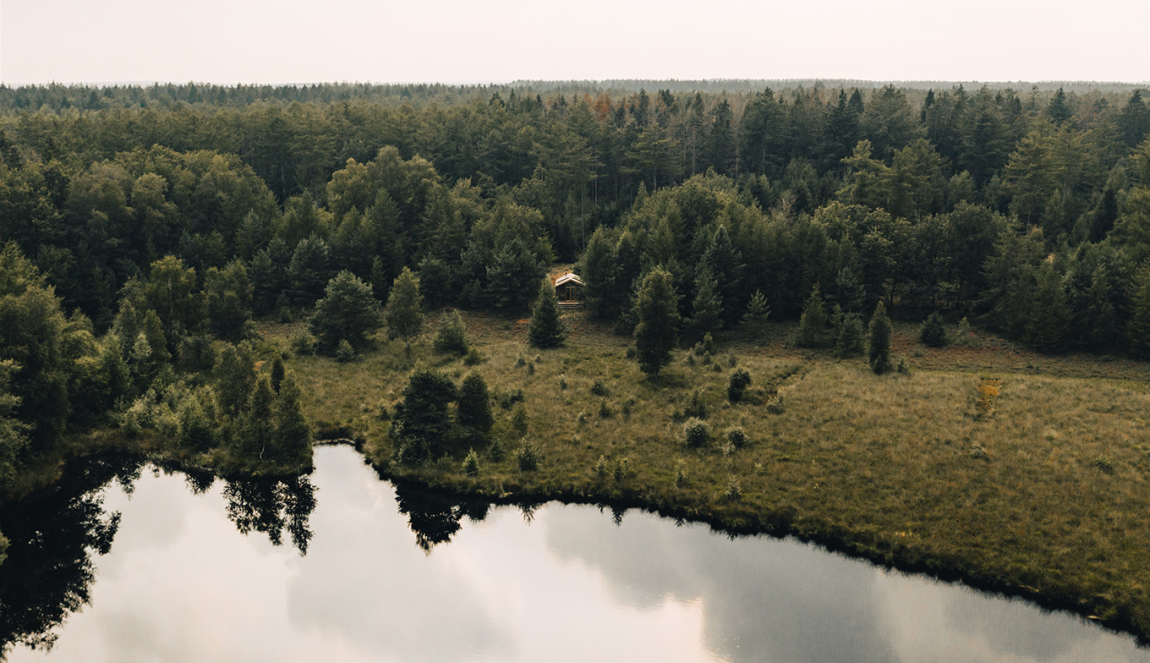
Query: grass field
[987,462]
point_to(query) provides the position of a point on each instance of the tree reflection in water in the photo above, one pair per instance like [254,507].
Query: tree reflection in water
[434,517]
[270,506]
[49,570]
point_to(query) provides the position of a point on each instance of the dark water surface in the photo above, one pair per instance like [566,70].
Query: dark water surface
[404,576]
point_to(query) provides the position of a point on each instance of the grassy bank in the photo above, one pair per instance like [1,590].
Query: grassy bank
[988,463]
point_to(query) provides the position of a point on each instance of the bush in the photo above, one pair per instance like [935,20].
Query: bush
[471,463]
[563,381]
[605,410]
[680,472]
[303,344]
[813,321]
[451,336]
[621,469]
[519,420]
[733,491]
[696,433]
[737,385]
[775,406]
[696,407]
[598,388]
[708,343]
[737,437]
[933,332]
[528,457]
[473,358]
[344,353]
[601,468]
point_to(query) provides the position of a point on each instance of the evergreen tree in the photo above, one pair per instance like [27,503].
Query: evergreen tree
[228,294]
[419,428]
[878,342]
[1049,323]
[657,331]
[850,339]
[451,336]
[813,322]
[473,411]
[256,434]
[235,378]
[293,436]
[1138,327]
[277,373]
[933,332]
[547,328]
[707,309]
[755,319]
[347,312]
[405,308]
[308,272]
[511,275]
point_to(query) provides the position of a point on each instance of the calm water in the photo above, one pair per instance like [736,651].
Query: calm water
[197,570]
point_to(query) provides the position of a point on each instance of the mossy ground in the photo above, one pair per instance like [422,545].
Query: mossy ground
[1039,490]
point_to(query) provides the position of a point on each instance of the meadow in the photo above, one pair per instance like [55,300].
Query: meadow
[986,462]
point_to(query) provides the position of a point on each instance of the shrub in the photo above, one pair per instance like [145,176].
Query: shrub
[600,468]
[680,472]
[716,368]
[520,362]
[696,433]
[1104,463]
[933,332]
[471,464]
[598,388]
[964,335]
[775,405]
[708,343]
[509,398]
[733,491]
[519,420]
[563,381]
[696,407]
[732,361]
[451,337]
[528,457]
[737,385]
[605,410]
[495,450]
[630,353]
[737,437]
[531,369]
[344,352]
[903,366]
[303,344]
[628,405]
[473,358]
[621,469]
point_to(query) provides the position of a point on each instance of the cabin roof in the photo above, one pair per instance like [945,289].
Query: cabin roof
[569,277]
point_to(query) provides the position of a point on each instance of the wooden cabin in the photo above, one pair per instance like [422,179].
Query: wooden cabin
[568,289]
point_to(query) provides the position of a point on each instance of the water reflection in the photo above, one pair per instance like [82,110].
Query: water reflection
[381,582]
[271,506]
[54,533]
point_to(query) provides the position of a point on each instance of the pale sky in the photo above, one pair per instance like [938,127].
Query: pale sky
[302,41]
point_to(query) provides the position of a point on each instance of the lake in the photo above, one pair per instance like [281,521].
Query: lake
[127,562]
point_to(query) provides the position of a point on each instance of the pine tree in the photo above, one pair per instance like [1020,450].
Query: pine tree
[257,432]
[405,308]
[1138,327]
[277,375]
[813,322]
[293,436]
[707,309]
[850,339]
[546,329]
[473,410]
[347,312]
[755,319]
[933,332]
[421,421]
[1049,323]
[657,310]
[235,378]
[878,343]
[451,336]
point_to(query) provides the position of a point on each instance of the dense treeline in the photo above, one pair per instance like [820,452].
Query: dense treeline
[142,240]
